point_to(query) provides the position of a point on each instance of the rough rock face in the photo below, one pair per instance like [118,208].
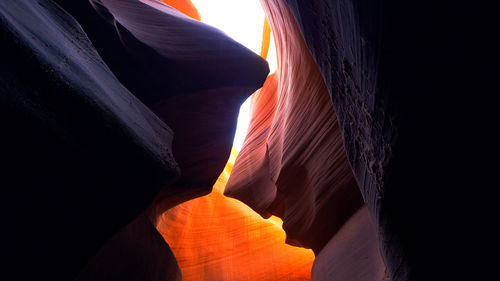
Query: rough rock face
[193,76]
[406,81]
[81,157]
[219,238]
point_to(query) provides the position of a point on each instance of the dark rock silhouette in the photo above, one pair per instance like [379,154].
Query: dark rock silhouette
[82,147]
[407,80]
[193,76]
[81,156]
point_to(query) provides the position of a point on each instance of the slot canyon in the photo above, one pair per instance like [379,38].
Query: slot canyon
[364,158]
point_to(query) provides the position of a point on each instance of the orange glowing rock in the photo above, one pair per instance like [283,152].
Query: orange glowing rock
[184,6]
[219,238]
[266,39]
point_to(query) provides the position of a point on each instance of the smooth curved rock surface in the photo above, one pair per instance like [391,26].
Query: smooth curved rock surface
[293,162]
[163,38]
[81,157]
[219,238]
[136,253]
[352,253]
[192,75]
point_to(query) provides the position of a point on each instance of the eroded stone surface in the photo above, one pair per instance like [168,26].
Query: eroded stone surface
[401,77]
[293,163]
[219,238]
[81,157]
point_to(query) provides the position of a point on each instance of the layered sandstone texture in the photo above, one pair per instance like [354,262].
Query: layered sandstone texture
[219,238]
[293,163]
[369,142]
[193,76]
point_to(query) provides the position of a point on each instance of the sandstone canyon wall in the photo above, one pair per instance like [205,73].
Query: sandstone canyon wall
[293,163]
[406,80]
[369,141]
[81,148]
[81,156]
[219,238]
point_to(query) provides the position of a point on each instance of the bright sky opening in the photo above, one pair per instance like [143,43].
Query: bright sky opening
[242,20]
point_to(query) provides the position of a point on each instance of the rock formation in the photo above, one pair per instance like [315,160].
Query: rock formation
[191,75]
[219,238]
[81,156]
[82,148]
[401,76]
[369,141]
[293,162]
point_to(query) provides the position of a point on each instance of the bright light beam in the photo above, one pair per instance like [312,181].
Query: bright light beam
[242,20]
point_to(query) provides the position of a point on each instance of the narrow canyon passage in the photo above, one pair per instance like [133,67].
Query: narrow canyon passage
[199,230]
[218,238]
[158,140]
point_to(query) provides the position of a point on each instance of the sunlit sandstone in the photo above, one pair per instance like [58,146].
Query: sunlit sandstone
[293,163]
[219,238]
[184,6]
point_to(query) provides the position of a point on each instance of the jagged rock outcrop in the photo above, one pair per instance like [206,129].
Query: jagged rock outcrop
[81,157]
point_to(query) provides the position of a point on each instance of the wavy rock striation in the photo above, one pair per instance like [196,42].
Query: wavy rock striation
[84,154]
[293,163]
[100,154]
[219,238]
[193,76]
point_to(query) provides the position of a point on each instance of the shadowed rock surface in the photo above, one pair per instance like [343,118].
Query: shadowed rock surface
[193,76]
[81,156]
[97,147]
[352,253]
[410,84]
[136,253]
